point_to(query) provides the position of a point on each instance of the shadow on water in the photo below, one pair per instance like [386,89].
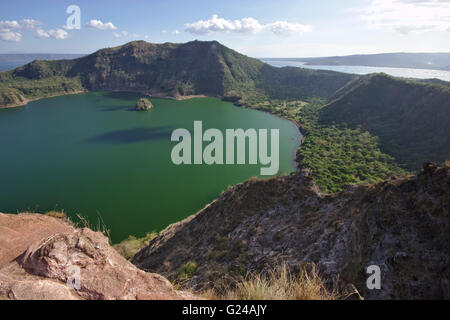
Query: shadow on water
[133,135]
[120,108]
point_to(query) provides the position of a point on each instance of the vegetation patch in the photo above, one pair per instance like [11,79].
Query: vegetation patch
[340,156]
[410,119]
[143,105]
[186,272]
[281,284]
[337,154]
[132,245]
[56,214]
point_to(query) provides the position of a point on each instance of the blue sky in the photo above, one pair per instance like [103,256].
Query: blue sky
[257,28]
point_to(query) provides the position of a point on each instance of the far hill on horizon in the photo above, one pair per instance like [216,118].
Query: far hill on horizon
[435,61]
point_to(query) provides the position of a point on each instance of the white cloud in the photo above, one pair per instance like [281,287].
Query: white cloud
[12,30]
[405,16]
[287,28]
[216,24]
[30,23]
[9,24]
[40,33]
[405,29]
[98,24]
[58,34]
[9,35]
[22,24]
[176,32]
[124,33]
[120,34]
[164,31]
[245,25]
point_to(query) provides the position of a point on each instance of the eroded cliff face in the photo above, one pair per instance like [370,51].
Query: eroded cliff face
[401,225]
[39,254]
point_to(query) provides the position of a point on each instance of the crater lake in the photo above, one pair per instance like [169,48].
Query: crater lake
[92,155]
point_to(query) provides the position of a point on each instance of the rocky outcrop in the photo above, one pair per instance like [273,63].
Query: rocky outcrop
[401,225]
[143,105]
[46,258]
[18,232]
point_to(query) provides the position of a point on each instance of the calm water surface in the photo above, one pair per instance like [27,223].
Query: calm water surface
[396,72]
[92,154]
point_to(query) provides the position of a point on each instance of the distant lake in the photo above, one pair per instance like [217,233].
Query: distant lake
[6,65]
[396,72]
[92,154]
[14,60]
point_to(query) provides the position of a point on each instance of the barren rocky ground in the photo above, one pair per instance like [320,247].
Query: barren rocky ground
[38,255]
[401,225]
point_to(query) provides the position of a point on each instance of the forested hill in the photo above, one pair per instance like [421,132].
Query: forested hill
[411,119]
[168,69]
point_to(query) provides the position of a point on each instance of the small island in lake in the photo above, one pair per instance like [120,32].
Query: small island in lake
[143,105]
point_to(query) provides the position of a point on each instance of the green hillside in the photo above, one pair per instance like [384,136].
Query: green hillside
[192,68]
[411,119]
[374,127]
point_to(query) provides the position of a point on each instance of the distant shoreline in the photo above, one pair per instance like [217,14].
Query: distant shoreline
[26,101]
[178,97]
[152,95]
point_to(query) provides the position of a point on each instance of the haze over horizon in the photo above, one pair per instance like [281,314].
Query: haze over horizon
[259,28]
[261,57]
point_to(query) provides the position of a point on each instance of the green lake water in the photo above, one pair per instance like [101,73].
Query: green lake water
[91,154]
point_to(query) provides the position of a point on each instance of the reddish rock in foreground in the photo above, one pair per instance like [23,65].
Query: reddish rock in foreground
[39,254]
